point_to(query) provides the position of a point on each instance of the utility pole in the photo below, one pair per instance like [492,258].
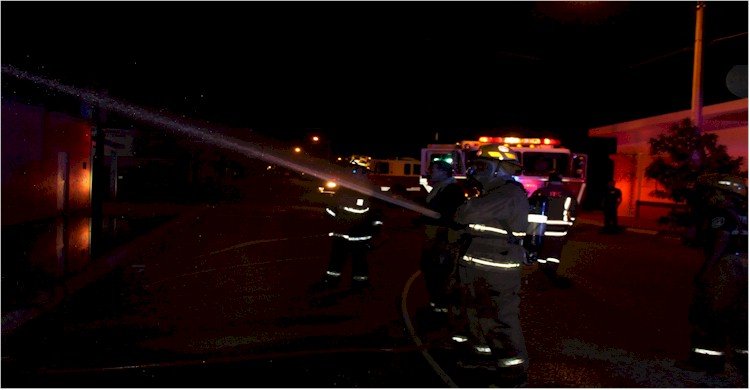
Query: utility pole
[697,106]
[696,109]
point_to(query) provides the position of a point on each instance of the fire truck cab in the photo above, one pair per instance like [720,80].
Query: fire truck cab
[397,175]
[539,156]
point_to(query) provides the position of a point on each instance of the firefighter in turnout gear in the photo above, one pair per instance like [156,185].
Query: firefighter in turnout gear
[561,214]
[438,257]
[356,224]
[718,312]
[489,269]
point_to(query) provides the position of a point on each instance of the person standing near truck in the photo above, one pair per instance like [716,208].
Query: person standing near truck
[438,258]
[612,200]
[489,271]
[561,213]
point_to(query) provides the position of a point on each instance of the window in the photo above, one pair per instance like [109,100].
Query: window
[543,163]
[382,168]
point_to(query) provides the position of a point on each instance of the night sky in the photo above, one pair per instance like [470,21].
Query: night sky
[383,77]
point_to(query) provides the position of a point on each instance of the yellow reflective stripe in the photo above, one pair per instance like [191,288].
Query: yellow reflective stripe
[557,222]
[490,262]
[538,218]
[357,211]
[510,362]
[485,228]
[348,237]
[708,352]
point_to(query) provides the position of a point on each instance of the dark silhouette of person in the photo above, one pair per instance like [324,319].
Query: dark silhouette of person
[612,200]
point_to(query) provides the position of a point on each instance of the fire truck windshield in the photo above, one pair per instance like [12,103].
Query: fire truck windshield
[542,163]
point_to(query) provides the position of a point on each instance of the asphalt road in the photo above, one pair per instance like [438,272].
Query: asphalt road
[217,297]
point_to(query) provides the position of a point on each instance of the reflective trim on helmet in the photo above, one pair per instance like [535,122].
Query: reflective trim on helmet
[489,262]
[329,211]
[709,352]
[357,211]
[348,237]
[509,362]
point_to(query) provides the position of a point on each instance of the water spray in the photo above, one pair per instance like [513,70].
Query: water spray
[257,150]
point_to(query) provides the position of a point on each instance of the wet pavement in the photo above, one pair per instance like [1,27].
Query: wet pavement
[217,297]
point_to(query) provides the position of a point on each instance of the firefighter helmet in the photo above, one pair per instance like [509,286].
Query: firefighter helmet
[493,160]
[494,164]
[498,152]
[725,182]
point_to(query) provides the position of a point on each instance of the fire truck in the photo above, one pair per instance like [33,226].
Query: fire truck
[539,156]
[399,176]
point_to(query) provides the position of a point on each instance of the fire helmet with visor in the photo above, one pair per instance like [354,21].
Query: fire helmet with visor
[492,162]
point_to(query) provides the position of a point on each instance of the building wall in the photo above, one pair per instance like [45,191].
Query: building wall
[46,181]
[39,149]
[727,120]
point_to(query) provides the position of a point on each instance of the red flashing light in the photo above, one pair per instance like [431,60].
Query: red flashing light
[520,142]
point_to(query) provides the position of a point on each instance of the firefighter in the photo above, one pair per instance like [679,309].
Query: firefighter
[357,222]
[718,311]
[489,269]
[438,258]
[561,214]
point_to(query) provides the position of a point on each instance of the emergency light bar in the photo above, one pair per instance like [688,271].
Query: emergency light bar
[517,141]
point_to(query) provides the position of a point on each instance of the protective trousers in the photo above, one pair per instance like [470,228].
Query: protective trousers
[492,310]
[438,264]
[550,254]
[341,250]
[719,313]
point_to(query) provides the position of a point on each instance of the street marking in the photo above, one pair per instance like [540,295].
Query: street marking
[255,242]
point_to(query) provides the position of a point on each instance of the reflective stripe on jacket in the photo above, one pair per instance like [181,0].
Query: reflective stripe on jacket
[355,219]
[561,210]
[497,222]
